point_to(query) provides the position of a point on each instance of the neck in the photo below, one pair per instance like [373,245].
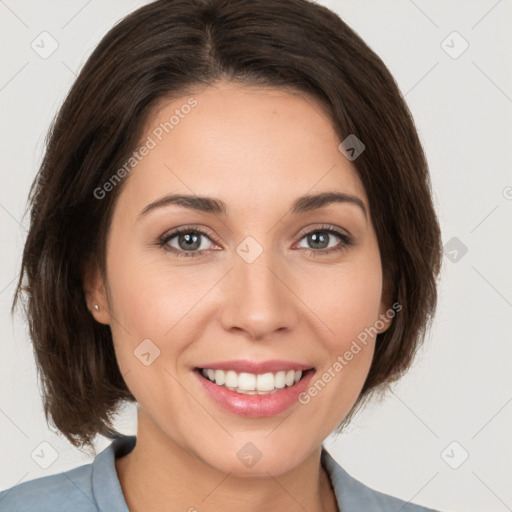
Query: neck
[159,474]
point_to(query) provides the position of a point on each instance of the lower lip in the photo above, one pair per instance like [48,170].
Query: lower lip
[255,406]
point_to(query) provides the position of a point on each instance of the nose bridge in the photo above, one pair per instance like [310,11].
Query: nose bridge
[257,299]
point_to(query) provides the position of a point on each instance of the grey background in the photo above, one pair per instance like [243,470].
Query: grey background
[456,400]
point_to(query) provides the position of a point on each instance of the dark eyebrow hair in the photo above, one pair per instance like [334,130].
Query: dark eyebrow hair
[217,206]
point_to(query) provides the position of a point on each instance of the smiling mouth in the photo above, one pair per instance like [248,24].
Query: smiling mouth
[251,383]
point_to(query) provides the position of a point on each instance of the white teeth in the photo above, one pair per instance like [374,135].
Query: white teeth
[252,384]
[231,379]
[247,381]
[279,380]
[264,382]
[220,377]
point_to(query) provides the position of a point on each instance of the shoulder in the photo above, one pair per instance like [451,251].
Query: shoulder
[353,496]
[69,490]
[87,488]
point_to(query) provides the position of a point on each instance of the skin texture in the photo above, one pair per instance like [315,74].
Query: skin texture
[257,150]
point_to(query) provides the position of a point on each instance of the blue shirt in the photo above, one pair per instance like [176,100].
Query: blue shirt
[95,487]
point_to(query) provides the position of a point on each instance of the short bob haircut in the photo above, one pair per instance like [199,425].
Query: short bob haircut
[170,48]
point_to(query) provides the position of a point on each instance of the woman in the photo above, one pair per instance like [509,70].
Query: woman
[233,228]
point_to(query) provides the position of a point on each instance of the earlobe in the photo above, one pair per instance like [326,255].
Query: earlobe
[100,314]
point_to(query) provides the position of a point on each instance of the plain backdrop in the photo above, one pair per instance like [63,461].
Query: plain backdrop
[441,436]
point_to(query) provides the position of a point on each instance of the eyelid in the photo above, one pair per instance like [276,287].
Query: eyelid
[189,227]
[323,227]
[195,228]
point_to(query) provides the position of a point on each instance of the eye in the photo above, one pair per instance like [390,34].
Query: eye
[188,242]
[320,239]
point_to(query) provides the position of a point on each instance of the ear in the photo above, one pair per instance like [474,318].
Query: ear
[386,312]
[95,292]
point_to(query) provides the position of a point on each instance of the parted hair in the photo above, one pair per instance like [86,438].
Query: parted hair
[161,51]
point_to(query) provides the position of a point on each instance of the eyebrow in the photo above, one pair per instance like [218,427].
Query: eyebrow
[216,206]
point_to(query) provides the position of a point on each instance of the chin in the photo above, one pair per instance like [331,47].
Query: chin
[255,456]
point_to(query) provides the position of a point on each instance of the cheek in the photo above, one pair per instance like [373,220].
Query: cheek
[346,299]
[156,309]
[149,307]
[148,296]
[137,293]
[347,305]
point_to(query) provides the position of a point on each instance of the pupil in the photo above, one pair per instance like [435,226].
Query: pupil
[190,243]
[315,237]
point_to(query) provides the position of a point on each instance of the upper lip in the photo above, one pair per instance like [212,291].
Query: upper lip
[245,365]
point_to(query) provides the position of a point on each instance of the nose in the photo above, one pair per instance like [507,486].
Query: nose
[257,298]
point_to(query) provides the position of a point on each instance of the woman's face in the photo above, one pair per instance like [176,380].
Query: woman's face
[264,283]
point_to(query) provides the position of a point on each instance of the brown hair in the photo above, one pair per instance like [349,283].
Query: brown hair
[163,50]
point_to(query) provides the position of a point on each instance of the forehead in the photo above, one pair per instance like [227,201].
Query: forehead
[249,146]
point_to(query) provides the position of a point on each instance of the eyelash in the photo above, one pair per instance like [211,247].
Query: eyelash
[346,241]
